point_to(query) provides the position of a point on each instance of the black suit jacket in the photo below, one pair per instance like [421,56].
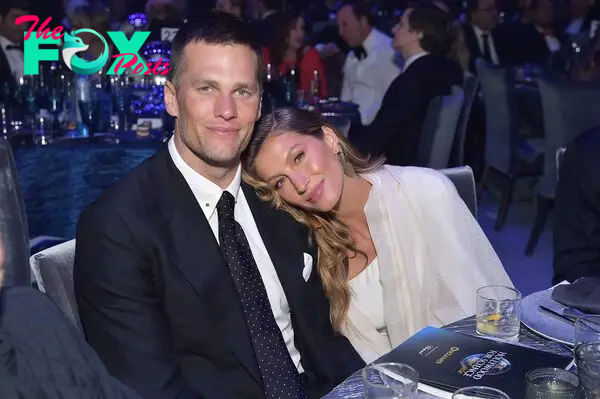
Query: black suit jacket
[577,211]
[158,303]
[396,129]
[502,44]
[6,75]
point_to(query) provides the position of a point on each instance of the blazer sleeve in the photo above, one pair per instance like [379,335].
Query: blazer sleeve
[462,258]
[120,314]
[576,236]
[312,62]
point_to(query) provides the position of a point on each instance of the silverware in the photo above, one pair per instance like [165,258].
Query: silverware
[570,320]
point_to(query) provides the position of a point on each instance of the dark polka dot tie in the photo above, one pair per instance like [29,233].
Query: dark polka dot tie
[279,374]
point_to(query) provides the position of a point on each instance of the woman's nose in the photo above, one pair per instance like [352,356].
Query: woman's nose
[300,182]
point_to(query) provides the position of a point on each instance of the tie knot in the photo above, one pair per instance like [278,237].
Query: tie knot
[360,52]
[226,205]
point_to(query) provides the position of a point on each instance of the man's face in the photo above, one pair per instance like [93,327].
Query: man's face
[485,17]
[9,29]
[351,29]
[404,36]
[543,14]
[216,101]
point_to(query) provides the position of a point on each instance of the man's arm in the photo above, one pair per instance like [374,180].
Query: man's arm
[120,313]
[576,216]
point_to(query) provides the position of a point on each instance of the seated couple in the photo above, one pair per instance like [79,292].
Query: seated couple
[193,282]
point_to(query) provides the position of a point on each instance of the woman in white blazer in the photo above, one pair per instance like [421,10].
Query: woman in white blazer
[398,248]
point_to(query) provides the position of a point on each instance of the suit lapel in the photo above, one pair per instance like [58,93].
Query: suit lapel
[198,256]
[285,250]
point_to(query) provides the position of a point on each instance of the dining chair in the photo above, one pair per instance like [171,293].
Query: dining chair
[13,221]
[439,130]
[464,181]
[506,151]
[569,109]
[53,271]
[470,87]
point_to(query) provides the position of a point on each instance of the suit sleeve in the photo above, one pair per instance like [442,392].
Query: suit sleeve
[120,314]
[576,243]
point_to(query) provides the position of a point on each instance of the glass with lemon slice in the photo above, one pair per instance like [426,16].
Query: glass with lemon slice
[498,311]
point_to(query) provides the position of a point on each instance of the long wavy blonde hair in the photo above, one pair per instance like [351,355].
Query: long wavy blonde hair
[331,235]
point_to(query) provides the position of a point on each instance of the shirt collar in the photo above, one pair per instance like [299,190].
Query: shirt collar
[478,31]
[412,59]
[206,192]
[370,41]
[4,42]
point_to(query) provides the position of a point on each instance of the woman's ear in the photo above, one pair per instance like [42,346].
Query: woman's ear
[331,139]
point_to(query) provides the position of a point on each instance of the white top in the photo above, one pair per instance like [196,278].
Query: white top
[15,58]
[432,256]
[366,81]
[551,40]
[367,293]
[479,35]
[208,194]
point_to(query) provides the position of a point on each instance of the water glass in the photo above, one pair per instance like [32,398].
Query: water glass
[498,311]
[587,329]
[390,381]
[479,393]
[587,359]
[552,383]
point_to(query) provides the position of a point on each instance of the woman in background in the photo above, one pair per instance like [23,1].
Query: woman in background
[398,248]
[290,51]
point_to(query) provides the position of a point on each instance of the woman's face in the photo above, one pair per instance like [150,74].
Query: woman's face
[296,39]
[304,170]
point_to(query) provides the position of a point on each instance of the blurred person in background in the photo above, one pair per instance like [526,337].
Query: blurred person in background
[537,40]
[11,41]
[96,17]
[267,12]
[370,66]
[580,9]
[423,36]
[233,7]
[459,51]
[577,210]
[167,14]
[289,51]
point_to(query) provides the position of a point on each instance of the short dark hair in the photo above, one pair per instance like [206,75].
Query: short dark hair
[7,5]
[435,24]
[215,27]
[360,8]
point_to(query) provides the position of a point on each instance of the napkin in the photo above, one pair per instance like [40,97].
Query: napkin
[583,295]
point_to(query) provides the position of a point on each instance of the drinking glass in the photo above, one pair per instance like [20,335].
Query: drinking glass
[390,381]
[587,329]
[498,311]
[552,383]
[479,393]
[587,359]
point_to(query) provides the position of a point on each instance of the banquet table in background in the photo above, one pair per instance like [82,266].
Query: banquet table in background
[352,388]
[60,179]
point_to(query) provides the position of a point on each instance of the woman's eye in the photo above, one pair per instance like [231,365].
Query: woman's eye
[299,157]
[278,184]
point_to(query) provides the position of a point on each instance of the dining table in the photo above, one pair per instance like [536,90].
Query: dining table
[352,387]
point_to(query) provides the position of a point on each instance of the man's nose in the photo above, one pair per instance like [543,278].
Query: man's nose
[225,107]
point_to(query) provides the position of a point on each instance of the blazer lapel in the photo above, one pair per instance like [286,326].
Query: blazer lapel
[198,256]
[284,249]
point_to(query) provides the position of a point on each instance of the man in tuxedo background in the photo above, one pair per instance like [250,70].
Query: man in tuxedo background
[188,285]
[11,40]
[423,36]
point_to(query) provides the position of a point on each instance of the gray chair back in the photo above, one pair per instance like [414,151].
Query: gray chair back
[439,130]
[470,87]
[464,181]
[560,154]
[570,109]
[13,221]
[53,271]
[501,140]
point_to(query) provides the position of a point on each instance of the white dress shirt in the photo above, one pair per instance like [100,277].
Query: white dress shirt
[551,40]
[15,58]
[366,81]
[208,194]
[479,35]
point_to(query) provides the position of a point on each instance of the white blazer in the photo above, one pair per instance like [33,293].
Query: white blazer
[432,257]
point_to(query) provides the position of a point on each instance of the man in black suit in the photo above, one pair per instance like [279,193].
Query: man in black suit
[577,210]
[188,285]
[269,11]
[482,37]
[11,41]
[423,36]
